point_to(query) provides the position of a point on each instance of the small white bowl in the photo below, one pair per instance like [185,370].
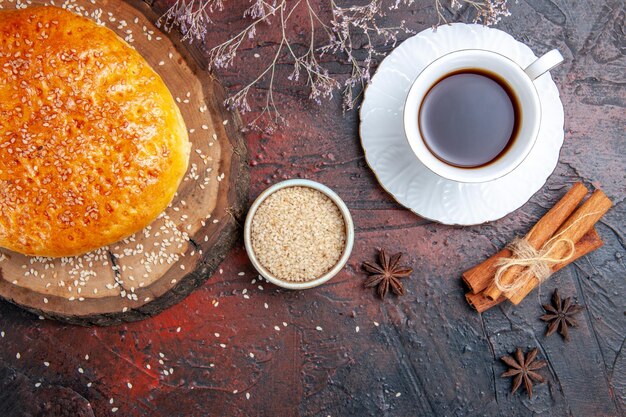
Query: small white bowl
[349,226]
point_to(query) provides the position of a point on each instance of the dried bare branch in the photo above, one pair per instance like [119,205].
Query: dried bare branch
[340,27]
[191,17]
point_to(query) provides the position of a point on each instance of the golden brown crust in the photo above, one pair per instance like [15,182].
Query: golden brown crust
[92,144]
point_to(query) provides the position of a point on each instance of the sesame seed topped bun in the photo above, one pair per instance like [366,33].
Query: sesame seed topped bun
[92,144]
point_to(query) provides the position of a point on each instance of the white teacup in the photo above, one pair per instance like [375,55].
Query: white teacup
[520,82]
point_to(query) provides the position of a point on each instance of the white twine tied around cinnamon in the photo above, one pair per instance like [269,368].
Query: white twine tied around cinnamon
[537,263]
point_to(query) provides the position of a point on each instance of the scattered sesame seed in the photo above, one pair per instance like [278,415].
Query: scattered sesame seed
[247,395]
[18,355]
[376,324]
[265,305]
[129,385]
[46,364]
[38,384]
[398,394]
[277,328]
[178,330]
[318,328]
[81,371]
[114,409]
[222,345]
[357,329]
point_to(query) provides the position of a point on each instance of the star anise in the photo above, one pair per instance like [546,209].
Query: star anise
[522,369]
[560,315]
[386,273]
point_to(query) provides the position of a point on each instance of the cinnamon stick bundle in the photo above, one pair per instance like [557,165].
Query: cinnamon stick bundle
[542,232]
[589,242]
[569,236]
[578,224]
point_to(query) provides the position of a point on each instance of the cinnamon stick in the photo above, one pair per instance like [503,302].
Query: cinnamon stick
[576,226]
[542,232]
[588,243]
[479,277]
[482,303]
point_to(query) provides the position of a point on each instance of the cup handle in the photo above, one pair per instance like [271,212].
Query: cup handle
[544,64]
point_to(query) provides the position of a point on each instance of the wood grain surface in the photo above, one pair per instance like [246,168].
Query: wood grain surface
[343,352]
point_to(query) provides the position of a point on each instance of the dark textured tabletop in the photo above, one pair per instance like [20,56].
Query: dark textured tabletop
[238,348]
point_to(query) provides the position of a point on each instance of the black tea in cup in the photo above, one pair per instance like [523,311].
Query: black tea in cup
[469,118]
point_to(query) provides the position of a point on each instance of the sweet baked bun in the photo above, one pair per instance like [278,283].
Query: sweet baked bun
[92,144]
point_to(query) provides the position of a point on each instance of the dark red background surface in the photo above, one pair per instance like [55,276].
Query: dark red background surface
[430,354]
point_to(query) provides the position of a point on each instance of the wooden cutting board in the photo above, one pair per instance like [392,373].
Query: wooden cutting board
[144,274]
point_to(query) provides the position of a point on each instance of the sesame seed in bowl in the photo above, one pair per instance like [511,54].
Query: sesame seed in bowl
[298,234]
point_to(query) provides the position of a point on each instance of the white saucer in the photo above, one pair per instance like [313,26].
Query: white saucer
[412,184]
